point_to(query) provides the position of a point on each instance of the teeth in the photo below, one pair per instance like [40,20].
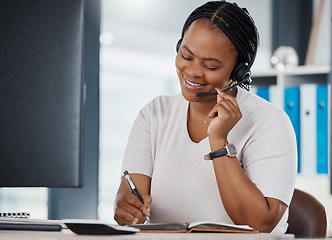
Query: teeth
[193,84]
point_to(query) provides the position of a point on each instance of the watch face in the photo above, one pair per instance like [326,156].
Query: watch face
[231,150]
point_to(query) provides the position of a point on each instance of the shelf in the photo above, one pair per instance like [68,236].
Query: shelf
[299,70]
[292,76]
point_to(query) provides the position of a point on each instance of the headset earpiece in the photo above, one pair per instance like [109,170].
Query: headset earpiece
[178,45]
[240,73]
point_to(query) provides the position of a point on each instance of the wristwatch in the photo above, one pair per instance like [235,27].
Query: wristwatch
[229,150]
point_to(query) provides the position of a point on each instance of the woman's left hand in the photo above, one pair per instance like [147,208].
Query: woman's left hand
[224,115]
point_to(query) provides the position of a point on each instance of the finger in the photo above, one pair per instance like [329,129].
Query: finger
[146,211]
[147,203]
[230,107]
[123,217]
[224,108]
[135,221]
[134,201]
[219,97]
[218,109]
[231,101]
[147,199]
[128,207]
[213,113]
[228,97]
[132,206]
[133,210]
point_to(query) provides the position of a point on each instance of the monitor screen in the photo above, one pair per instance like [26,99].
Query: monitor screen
[41,93]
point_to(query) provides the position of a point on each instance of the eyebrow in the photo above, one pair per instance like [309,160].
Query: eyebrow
[206,59]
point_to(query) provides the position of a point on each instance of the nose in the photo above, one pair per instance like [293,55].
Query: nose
[194,69]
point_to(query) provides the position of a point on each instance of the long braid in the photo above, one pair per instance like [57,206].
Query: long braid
[236,23]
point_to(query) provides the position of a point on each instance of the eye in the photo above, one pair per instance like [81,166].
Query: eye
[186,58]
[210,68]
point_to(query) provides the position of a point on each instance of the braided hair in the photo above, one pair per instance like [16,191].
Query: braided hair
[236,23]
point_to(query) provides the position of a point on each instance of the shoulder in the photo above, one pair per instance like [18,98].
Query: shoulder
[165,100]
[257,108]
[161,111]
[263,120]
[162,108]
[163,103]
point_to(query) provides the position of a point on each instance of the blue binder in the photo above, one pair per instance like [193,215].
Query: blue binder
[292,108]
[263,92]
[322,145]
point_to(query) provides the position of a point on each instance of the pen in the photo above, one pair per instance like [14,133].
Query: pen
[132,186]
[134,189]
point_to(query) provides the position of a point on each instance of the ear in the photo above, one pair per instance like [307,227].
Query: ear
[240,72]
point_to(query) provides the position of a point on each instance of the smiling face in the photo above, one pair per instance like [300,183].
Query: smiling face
[205,60]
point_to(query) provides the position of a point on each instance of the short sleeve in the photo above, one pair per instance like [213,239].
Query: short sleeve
[270,158]
[138,153]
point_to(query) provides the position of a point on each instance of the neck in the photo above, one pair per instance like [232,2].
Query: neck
[200,111]
[202,108]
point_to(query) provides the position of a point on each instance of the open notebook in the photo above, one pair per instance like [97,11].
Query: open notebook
[194,227]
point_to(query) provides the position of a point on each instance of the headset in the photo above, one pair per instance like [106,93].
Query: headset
[241,71]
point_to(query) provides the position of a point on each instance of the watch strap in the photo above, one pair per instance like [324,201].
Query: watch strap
[216,154]
[228,150]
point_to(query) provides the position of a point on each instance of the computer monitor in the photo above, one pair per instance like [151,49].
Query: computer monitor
[41,93]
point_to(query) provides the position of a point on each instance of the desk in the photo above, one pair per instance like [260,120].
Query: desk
[67,235]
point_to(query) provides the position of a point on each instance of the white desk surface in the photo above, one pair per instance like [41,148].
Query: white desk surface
[67,235]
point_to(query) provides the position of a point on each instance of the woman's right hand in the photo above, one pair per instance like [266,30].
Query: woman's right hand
[130,210]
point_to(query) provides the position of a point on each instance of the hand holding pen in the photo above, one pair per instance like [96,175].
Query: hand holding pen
[134,190]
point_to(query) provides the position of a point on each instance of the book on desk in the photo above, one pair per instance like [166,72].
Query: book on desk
[194,227]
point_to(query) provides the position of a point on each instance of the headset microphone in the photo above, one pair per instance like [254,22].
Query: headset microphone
[204,94]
